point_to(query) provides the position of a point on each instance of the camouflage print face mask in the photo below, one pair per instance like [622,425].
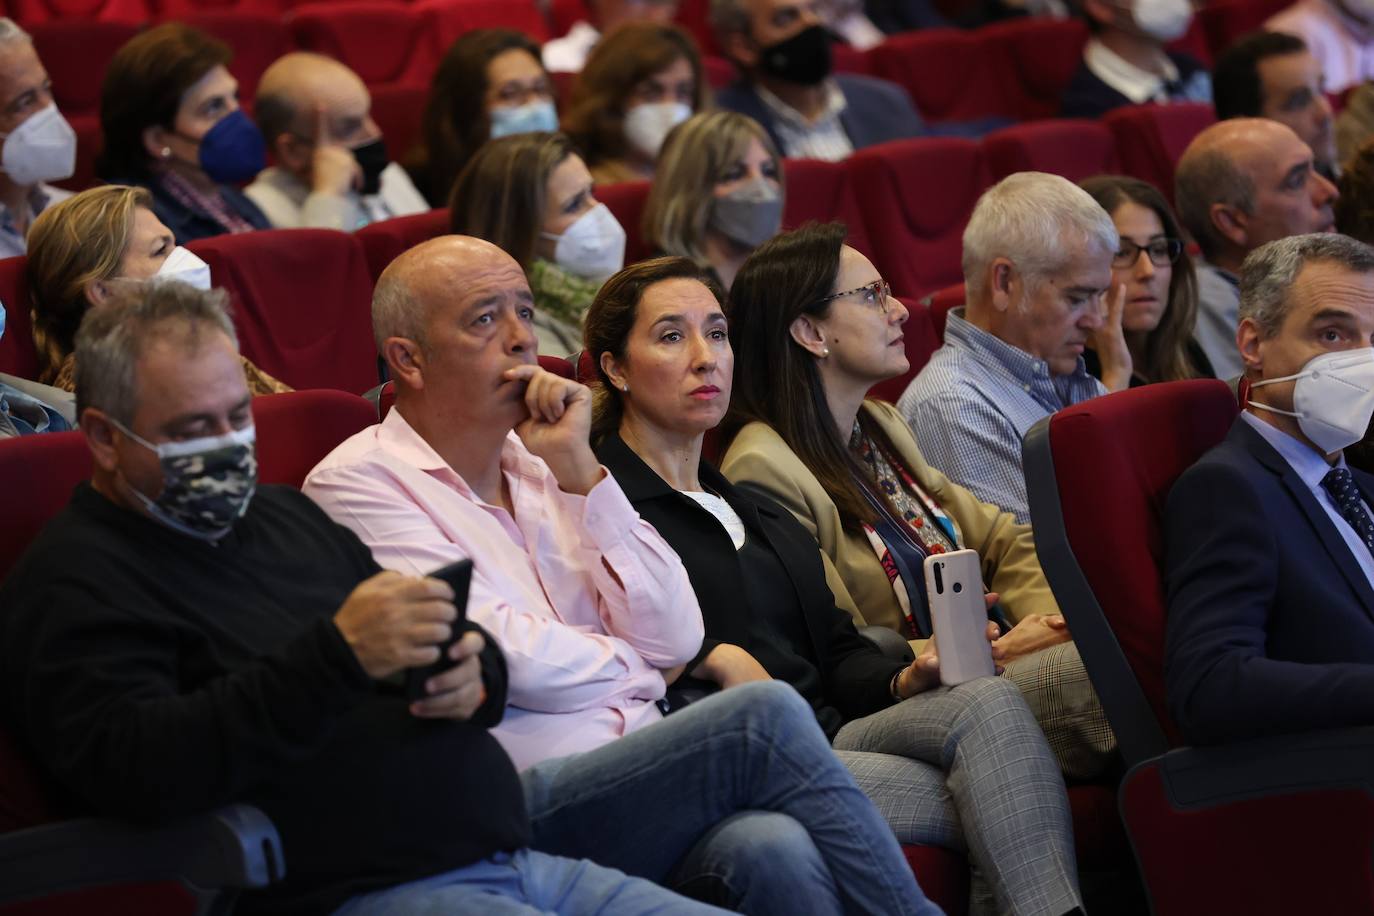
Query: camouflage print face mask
[206,482]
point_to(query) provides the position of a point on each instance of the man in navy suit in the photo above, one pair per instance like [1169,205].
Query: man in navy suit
[783,50]
[1269,539]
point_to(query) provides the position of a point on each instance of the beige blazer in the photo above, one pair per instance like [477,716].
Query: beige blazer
[759,457]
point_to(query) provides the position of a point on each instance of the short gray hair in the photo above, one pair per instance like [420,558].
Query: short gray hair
[396,310]
[1205,178]
[112,338]
[10,31]
[1025,218]
[728,17]
[1269,272]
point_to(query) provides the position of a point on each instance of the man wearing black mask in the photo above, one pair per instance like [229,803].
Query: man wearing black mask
[783,52]
[332,170]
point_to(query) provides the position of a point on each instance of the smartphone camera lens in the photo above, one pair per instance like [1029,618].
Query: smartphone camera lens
[958,587]
[939,579]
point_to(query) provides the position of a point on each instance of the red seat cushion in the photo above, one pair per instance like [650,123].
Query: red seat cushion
[298,429]
[1037,58]
[1151,138]
[302,303]
[822,191]
[17,353]
[948,72]
[257,34]
[1072,148]
[75,52]
[916,197]
[626,199]
[942,874]
[384,43]
[383,242]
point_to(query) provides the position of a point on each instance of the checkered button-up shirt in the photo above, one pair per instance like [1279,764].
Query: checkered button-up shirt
[823,138]
[974,401]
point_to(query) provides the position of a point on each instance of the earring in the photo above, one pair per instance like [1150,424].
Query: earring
[165,152]
[625,388]
[825,351]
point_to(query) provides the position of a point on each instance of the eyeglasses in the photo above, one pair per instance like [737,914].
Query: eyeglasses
[511,94]
[1162,252]
[875,293]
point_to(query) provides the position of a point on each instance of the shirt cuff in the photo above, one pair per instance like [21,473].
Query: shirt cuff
[607,516]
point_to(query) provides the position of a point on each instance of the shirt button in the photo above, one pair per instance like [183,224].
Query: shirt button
[1025,387]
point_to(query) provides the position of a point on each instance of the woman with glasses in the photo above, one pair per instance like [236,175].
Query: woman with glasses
[965,767]
[1161,290]
[813,328]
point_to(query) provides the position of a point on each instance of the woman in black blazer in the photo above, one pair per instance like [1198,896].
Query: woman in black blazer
[964,767]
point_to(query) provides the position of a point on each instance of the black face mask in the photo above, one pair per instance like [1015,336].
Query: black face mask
[803,59]
[372,160]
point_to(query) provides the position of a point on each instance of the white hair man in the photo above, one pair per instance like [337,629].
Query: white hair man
[1037,266]
[39,144]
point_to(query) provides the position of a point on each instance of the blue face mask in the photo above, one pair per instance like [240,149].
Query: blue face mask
[233,150]
[2,319]
[524,119]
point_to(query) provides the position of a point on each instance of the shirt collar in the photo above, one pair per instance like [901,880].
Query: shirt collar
[37,201]
[835,104]
[1125,77]
[1301,457]
[399,439]
[989,348]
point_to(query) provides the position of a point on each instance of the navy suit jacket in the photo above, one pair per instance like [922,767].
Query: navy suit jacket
[188,223]
[875,111]
[1271,618]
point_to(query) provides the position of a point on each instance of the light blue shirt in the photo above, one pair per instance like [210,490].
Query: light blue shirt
[973,403]
[1311,468]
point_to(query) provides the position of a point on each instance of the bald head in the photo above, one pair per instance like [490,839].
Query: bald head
[301,91]
[1248,181]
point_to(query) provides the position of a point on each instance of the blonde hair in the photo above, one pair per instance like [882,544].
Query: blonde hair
[694,157]
[71,245]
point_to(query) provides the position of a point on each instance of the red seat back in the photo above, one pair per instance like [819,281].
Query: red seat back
[948,72]
[916,197]
[383,242]
[1194,43]
[558,366]
[384,43]
[1072,148]
[298,429]
[1037,58]
[18,356]
[822,191]
[719,71]
[848,59]
[448,20]
[940,303]
[189,10]
[44,468]
[302,303]
[75,52]
[1151,138]
[920,341]
[564,14]
[1122,451]
[257,34]
[626,199]
[399,111]
[29,13]
[89,140]
[1223,21]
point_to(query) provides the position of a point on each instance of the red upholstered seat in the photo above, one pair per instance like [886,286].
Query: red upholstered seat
[822,191]
[189,10]
[298,429]
[89,140]
[302,303]
[564,14]
[449,19]
[75,52]
[384,43]
[1223,21]
[920,341]
[1150,138]
[399,111]
[941,302]
[256,33]
[719,71]
[1073,148]
[44,468]
[847,59]
[1037,58]
[383,241]
[942,874]
[694,16]
[948,72]
[1197,817]
[626,199]
[29,13]
[17,353]
[916,197]
[558,366]
[1194,43]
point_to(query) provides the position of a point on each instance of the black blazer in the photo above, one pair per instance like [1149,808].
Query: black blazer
[855,674]
[1271,618]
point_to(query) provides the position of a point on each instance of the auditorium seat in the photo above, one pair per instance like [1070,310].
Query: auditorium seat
[1223,21]
[822,191]
[17,353]
[89,141]
[384,43]
[626,199]
[298,429]
[399,111]
[447,20]
[920,340]
[1194,43]
[1075,149]
[940,303]
[1037,58]
[187,10]
[29,13]
[949,73]
[916,197]
[75,52]
[383,242]
[1197,817]
[1151,138]
[719,71]
[694,16]
[302,303]
[257,37]
[848,59]
[564,14]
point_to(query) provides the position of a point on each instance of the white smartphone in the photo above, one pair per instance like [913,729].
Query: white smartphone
[954,585]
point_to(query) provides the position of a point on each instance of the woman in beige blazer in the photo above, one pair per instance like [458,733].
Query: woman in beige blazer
[813,327]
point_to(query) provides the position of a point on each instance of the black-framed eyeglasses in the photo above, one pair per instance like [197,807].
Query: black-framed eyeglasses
[875,293]
[1162,252]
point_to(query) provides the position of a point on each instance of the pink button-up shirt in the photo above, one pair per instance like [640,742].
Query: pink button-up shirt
[1343,46]
[585,598]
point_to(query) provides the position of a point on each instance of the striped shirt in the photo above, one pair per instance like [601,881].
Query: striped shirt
[973,403]
[823,138]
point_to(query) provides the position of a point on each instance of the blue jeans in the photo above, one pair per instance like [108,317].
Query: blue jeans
[737,799]
[522,884]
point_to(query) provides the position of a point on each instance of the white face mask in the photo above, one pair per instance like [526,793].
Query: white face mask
[183,265]
[43,148]
[593,247]
[646,126]
[1333,398]
[1162,20]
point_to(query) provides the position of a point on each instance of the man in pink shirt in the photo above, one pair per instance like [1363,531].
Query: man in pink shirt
[1340,35]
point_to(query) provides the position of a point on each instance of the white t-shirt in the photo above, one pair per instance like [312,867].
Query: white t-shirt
[728,517]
